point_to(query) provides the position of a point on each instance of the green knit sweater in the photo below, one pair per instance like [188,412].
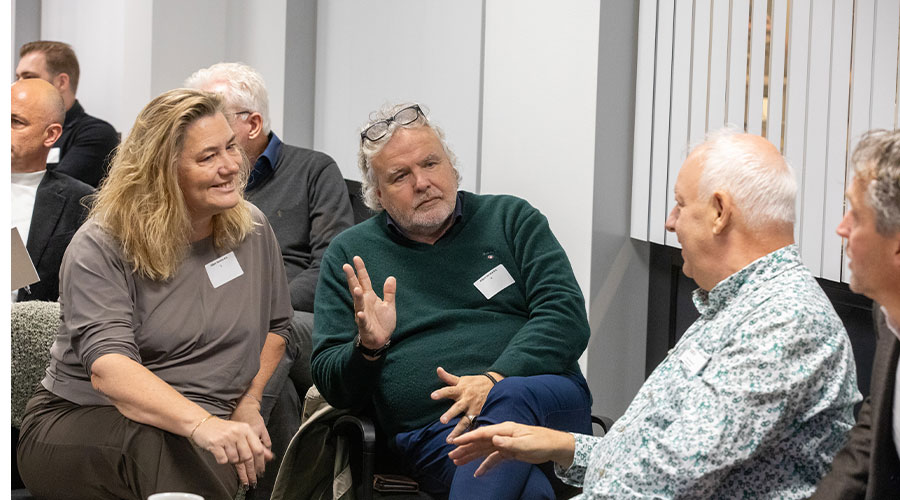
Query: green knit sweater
[535,326]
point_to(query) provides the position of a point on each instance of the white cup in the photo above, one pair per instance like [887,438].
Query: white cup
[174,496]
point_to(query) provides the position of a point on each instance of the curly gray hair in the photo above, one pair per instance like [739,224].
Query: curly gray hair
[369,149]
[876,160]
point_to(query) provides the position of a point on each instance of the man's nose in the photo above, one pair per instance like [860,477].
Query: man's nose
[670,221]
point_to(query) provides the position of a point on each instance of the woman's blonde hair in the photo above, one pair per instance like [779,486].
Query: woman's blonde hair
[140,202]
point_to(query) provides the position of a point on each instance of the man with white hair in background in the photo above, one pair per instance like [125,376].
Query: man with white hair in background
[755,398]
[868,467]
[303,194]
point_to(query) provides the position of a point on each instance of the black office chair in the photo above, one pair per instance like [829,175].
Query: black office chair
[360,211]
[369,457]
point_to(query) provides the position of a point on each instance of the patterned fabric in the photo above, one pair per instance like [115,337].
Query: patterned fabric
[753,401]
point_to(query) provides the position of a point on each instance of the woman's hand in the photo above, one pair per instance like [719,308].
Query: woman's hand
[510,440]
[236,443]
[247,411]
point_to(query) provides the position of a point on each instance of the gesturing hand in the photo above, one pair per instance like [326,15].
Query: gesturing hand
[247,411]
[469,394]
[510,440]
[375,318]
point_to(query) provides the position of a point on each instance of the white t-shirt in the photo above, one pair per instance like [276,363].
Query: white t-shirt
[24,190]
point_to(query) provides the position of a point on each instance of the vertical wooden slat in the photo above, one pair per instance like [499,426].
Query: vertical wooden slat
[737,63]
[795,109]
[884,60]
[757,66]
[661,103]
[681,88]
[774,126]
[718,65]
[643,120]
[700,70]
[836,167]
[813,185]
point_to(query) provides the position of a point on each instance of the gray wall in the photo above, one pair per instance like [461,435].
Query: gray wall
[619,265]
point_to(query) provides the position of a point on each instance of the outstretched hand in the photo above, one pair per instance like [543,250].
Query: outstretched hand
[510,440]
[468,392]
[376,318]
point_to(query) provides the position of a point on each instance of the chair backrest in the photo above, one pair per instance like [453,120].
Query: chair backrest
[360,211]
[33,326]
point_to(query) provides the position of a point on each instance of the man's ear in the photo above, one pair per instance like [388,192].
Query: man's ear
[51,134]
[61,82]
[256,125]
[722,206]
[895,249]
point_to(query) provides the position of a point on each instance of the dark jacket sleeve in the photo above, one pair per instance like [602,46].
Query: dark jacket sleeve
[89,151]
[329,214]
[849,475]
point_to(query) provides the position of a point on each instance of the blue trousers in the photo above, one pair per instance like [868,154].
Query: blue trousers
[560,402]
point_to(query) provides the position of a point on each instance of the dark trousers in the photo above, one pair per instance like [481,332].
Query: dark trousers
[283,399]
[68,451]
[560,402]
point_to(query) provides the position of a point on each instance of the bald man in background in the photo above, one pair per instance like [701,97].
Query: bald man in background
[46,205]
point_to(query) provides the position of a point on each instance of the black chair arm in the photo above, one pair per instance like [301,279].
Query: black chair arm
[366,431]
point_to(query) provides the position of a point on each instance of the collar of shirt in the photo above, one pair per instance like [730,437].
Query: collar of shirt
[757,272]
[74,111]
[267,162]
[457,213]
[893,327]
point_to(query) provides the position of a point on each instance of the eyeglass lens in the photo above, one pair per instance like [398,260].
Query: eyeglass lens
[403,117]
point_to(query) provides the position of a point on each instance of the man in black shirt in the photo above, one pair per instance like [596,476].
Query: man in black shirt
[83,150]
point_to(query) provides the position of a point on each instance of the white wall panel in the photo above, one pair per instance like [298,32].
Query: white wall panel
[543,54]
[737,62]
[679,119]
[817,90]
[795,107]
[757,66]
[836,145]
[718,66]
[659,161]
[699,70]
[828,82]
[778,37]
[643,120]
[884,60]
[372,53]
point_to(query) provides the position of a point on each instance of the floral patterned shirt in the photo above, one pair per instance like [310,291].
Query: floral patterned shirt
[752,402]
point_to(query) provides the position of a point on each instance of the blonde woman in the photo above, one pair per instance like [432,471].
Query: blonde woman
[175,311]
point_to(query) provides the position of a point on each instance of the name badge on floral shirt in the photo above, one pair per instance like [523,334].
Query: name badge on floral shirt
[694,360]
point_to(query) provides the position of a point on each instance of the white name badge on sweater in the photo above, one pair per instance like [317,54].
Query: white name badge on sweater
[223,270]
[694,360]
[53,156]
[493,281]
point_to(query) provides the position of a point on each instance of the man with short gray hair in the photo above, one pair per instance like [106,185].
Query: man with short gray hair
[756,396]
[303,194]
[868,466]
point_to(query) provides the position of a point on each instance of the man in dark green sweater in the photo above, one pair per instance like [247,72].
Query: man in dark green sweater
[458,309]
